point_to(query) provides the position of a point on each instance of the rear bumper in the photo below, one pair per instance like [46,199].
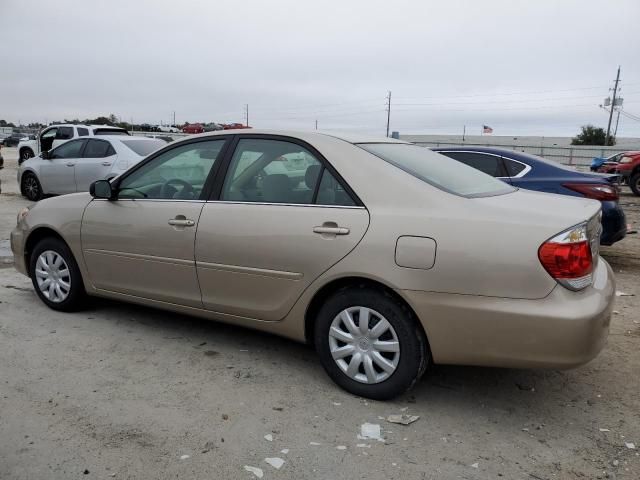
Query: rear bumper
[563,330]
[614,223]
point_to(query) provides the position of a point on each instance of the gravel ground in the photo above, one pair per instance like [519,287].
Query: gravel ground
[121,391]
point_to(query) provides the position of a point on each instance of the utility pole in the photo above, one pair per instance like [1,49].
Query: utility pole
[615,130]
[316,124]
[613,104]
[246,113]
[464,131]
[388,111]
[174,117]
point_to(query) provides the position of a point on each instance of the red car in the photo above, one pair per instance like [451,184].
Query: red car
[234,126]
[193,128]
[628,168]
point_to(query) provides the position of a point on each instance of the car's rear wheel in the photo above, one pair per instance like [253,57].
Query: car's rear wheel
[25,154]
[370,343]
[31,187]
[634,183]
[56,276]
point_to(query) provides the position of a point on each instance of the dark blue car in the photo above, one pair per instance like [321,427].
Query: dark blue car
[535,173]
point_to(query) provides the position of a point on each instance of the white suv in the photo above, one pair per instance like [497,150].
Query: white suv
[54,135]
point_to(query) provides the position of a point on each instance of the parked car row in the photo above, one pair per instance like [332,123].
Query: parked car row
[13,139]
[386,256]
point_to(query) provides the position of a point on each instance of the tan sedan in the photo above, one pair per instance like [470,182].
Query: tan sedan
[384,255]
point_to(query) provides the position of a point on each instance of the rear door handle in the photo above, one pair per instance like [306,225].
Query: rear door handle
[181,222]
[331,230]
[106,164]
[70,164]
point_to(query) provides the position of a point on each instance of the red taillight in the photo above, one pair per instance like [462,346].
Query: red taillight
[568,258]
[596,191]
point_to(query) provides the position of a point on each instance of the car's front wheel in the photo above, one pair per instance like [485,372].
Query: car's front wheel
[634,183]
[25,154]
[370,343]
[56,276]
[31,187]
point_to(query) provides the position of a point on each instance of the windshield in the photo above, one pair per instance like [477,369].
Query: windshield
[144,147]
[437,170]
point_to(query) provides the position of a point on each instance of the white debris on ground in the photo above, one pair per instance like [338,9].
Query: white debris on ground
[268,437]
[363,445]
[315,444]
[284,450]
[255,470]
[623,294]
[475,465]
[403,419]
[184,457]
[605,430]
[275,462]
[630,445]
[370,431]
[341,447]
[336,404]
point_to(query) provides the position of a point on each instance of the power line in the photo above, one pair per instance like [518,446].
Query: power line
[388,111]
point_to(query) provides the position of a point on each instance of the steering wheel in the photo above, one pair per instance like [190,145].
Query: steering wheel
[164,190]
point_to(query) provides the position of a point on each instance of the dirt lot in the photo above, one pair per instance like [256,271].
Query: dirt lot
[129,392]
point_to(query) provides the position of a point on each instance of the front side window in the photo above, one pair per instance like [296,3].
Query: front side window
[64,133]
[179,173]
[271,171]
[98,149]
[68,150]
[438,170]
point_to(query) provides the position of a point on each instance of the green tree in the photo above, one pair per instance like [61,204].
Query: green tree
[590,135]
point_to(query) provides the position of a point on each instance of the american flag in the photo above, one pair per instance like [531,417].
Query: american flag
[487,129]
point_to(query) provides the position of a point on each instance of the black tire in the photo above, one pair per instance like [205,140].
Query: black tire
[414,349]
[30,187]
[76,297]
[634,183]
[25,154]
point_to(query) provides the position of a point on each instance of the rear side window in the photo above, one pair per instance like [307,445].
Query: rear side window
[513,167]
[64,133]
[82,132]
[438,170]
[489,164]
[98,149]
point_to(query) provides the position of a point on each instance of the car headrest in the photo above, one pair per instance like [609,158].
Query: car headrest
[276,188]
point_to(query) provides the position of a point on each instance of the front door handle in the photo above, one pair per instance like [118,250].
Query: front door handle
[70,164]
[331,230]
[106,164]
[181,222]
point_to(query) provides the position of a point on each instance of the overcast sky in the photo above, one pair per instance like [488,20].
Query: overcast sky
[524,68]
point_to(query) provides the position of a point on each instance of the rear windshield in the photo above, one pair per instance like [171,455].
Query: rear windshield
[110,131]
[437,170]
[144,147]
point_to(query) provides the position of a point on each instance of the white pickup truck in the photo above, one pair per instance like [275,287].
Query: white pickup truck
[54,135]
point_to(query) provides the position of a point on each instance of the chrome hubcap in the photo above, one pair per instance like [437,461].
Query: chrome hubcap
[364,345]
[31,187]
[53,276]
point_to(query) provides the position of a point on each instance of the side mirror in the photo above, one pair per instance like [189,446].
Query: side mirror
[101,189]
[46,154]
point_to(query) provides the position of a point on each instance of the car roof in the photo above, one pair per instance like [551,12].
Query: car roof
[308,135]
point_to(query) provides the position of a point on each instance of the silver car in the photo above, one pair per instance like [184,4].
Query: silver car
[74,165]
